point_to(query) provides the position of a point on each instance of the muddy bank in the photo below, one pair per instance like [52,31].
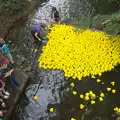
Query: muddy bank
[8,21]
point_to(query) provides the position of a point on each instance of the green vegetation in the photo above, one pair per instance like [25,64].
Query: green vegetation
[12,5]
[108,23]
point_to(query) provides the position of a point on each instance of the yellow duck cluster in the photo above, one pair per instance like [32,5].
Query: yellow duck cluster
[90,96]
[79,54]
[117,110]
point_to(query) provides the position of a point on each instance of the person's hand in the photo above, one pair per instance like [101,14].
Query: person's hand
[1,114]
[11,70]
[8,73]
[39,40]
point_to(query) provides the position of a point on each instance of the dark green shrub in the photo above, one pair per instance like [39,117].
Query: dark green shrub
[12,5]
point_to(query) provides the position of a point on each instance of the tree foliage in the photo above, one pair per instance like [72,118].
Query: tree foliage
[108,23]
[12,5]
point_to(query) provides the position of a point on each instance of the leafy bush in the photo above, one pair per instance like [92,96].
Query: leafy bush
[12,5]
[111,26]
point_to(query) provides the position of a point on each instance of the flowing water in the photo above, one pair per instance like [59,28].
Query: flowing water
[53,89]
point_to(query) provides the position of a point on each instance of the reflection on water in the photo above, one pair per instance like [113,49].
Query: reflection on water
[54,90]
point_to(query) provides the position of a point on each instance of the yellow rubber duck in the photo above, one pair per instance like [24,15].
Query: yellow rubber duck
[87,98]
[93,96]
[108,89]
[92,102]
[100,99]
[116,108]
[113,91]
[72,84]
[118,111]
[90,92]
[82,106]
[113,83]
[51,110]
[35,97]
[98,80]
[74,93]
[86,94]
[81,96]
[73,119]
[102,95]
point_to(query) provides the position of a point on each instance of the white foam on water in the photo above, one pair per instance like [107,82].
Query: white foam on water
[43,14]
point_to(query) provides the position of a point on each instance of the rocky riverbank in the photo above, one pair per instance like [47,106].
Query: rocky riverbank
[8,22]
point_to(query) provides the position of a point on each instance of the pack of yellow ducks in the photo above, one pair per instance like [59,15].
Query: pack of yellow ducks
[80,54]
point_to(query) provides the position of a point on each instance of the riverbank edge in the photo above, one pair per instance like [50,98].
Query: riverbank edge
[7,23]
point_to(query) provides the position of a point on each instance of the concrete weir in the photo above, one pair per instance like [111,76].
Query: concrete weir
[15,94]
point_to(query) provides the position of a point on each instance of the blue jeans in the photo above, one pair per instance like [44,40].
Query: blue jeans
[13,81]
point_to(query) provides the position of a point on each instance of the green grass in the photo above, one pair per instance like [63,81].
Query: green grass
[12,5]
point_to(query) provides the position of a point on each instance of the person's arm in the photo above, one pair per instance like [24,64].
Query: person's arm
[5,49]
[36,35]
[8,73]
[1,113]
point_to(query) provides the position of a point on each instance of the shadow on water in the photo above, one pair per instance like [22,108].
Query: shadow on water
[54,90]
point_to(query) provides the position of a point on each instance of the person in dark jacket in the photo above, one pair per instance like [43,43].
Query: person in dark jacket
[55,15]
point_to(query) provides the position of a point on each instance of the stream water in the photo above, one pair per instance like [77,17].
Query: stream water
[54,90]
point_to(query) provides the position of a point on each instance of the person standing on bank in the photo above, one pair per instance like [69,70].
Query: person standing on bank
[5,50]
[55,15]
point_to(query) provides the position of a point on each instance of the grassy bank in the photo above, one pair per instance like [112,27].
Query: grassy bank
[12,5]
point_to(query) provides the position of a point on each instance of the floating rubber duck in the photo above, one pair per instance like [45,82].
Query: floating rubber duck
[113,91]
[72,84]
[108,89]
[90,92]
[102,95]
[51,110]
[92,102]
[100,99]
[35,97]
[82,106]
[81,96]
[87,98]
[93,76]
[116,108]
[98,80]
[86,94]
[118,111]
[73,119]
[93,96]
[74,93]
[113,83]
